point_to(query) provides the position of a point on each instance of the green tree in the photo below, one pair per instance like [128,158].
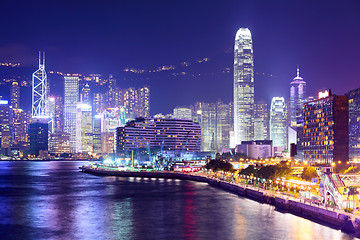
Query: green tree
[217,165]
[250,170]
[309,173]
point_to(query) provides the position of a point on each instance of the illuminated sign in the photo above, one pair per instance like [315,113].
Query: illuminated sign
[323,94]
[3,102]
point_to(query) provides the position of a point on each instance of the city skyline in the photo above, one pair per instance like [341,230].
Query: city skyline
[294,33]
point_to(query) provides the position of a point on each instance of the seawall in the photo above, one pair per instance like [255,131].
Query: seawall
[315,212]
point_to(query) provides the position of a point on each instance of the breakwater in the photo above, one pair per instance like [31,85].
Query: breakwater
[346,223]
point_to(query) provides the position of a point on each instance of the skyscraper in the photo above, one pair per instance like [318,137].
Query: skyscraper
[84,134]
[243,87]
[70,103]
[98,103]
[144,101]
[278,122]
[15,95]
[297,98]
[39,87]
[354,124]
[85,94]
[38,136]
[261,121]
[5,135]
[326,129]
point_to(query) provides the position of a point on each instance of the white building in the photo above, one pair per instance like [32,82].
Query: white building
[84,135]
[278,122]
[71,99]
[243,87]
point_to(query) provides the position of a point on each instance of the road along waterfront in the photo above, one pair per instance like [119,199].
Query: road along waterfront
[348,223]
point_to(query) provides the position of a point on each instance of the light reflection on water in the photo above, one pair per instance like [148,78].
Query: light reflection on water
[53,200]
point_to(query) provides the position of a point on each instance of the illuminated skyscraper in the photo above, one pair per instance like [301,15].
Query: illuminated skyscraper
[297,99]
[15,95]
[278,122]
[84,135]
[111,118]
[59,114]
[98,103]
[97,134]
[144,101]
[243,87]
[70,103]
[39,87]
[326,129]
[215,125]
[354,124]
[20,126]
[5,134]
[85,94]
[261,121]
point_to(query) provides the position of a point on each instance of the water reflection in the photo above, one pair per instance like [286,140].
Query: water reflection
[53,200]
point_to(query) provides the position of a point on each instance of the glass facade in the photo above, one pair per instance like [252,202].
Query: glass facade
[84,135]
[243,87]
[38,135]
[261,121]
[278,122]
[354,124]
[297,99]
[70,103]
[326,133]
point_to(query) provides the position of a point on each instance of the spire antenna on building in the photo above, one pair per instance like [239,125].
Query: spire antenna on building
[298,71]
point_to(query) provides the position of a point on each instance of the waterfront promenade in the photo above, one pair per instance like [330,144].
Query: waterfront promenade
[347,222]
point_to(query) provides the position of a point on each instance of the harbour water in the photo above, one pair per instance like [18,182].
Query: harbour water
[54,200]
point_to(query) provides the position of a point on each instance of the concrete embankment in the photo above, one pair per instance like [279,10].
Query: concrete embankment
[333,218]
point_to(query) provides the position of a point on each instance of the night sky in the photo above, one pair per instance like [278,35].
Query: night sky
[323,37]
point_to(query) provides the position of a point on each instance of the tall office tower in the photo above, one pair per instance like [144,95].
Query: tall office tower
[223,126]
[85,95]
[208,126]
[5,134]
[131,100]
[182,113]
[19,128]
[39,87]
[297,99]
[110,95]
[243,87]
[278,122]
[111,118]
[59,115]
[98,103]
[261,120]
[84,135]
[215,125]
[38,136]
[354,124]
[70,103]
[15,95]
[97,134]
[144,101]
[51,107]
[326,129]
[119,97]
